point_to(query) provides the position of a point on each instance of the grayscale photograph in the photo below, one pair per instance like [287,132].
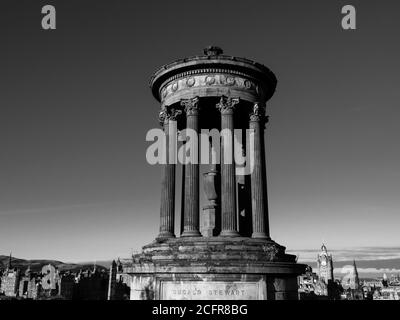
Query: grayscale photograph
[178,151]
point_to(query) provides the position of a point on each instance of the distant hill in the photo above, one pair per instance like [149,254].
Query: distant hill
[36,265]
[106,263]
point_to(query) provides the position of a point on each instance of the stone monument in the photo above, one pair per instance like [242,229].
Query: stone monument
[231,255]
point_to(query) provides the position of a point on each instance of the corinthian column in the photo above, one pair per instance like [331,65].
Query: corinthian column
[228,183]
[191,207]
[258,177]
[167,209]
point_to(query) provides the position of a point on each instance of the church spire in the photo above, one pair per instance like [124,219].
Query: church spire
[355,276]
[9,261]
[355,268]
[28,271]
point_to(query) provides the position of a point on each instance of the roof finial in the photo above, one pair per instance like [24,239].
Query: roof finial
[213,51]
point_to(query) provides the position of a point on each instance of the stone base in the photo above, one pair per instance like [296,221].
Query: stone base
[218,268]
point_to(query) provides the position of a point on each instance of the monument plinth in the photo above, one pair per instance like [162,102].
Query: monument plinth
[231,255]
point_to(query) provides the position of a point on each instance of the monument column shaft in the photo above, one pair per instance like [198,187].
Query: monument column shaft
[264,176]
[228,178]
[258,177]
[191,206]
[183,198]
[167,210]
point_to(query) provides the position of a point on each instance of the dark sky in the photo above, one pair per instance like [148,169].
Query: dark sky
[75,108]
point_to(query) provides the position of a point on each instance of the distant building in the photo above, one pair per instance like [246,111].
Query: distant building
[389,293]
[112,282]
[91,285]
[29,286]
[10,280]
[50,279]
[55,284]
[66,284]
[308,285]
[384,289]
[117,287]
[385,281]
[352,288]
[51,283]
[320,285]
[325,265]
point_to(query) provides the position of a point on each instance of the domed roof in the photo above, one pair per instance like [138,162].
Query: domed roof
[213,59]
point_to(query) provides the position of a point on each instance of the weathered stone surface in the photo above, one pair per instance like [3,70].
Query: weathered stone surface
[142,288]
[210,286]
[224,260]
[209,290]
[208,222]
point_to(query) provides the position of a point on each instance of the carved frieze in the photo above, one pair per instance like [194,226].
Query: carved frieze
[208,79]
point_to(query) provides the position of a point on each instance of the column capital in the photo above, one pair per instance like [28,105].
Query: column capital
[168,113]
[257,112]
[173,114]
[191,106]
[226,105]
[162,115]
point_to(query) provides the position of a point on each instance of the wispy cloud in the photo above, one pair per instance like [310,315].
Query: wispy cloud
[379,271]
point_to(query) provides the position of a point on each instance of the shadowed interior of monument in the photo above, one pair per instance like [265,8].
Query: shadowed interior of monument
[210,119]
